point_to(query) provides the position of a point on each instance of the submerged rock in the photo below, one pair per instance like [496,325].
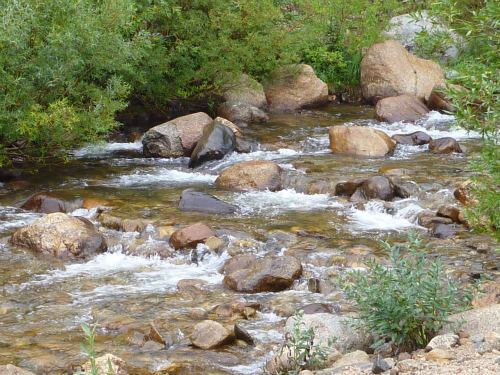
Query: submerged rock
[388,69]
[400,108]
[124,225]
[446,145]
[251,175]
[175,138]
[249,274]
[62,236]
[209,335]
[46,203]
[414,139]
[360,141]
[197,201]
[295,87]
[218,140]
[190,236]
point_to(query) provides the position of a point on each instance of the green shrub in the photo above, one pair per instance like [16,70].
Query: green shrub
[406,302]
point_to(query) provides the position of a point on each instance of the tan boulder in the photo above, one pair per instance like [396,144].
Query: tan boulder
[245,90]
[190,236]
[445,145]
[293,87]
[360,141]
[400,108]
[209,334]
[61,235]
[251,175]
[107,364]
[388,69]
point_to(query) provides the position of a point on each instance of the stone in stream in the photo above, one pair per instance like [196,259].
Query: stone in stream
[377,187]
[13,370]
[439,101]
[241,113]
[190,236]
[388,69]
[446,145]
[360,141]
[347,188]
[46,203]
[62,236]
[197,201]
[125,225]
[400,108]
[464,193]
[218,140]
[443,231]
[175,138]
[245,90]
[103,363]
[242,334]
[414,139]
[209,335]
[251,175]
[294,87]
[450,212]
[249,274]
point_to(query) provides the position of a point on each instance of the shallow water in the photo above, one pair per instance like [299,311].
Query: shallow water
[44,301]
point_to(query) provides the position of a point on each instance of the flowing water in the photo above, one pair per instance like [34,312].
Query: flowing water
[43,301]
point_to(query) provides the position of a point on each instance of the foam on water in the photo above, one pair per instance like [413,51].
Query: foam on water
[375,217]
[102,149]
[272,203]
[13,218]
[161,176]
[236,157]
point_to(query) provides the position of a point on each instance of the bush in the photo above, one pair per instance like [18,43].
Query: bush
[407,302]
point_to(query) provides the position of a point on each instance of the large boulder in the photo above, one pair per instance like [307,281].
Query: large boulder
[400,108]
[417,138]
[251,175]
[446,145]
[293,87]
[210,334]
[218,140]
[197,201]
[360,141]
[388,69]
[245,90]
[249,274]
[46,203]
[175,138]
[61,235]
[241,113]
[190,236]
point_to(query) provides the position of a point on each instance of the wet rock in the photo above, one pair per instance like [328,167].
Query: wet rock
[250,274]
[151,346]
[439,355]
[214,243]
[154,335]
[251,175]
[294,87]
[406,108]
[439,101]
[327,325]
[446,341]
[124,225]
[218,140]
[347,188]
[404,188]
[236,310]
[314,285]
[446,145]
[380,365]
[321,187]
[62,236]
[190,236]
[90,203]
[464,193]
[175,138]
[427,219]
[443,231]
[245,90]
[245,146]
[197,201]
[103,364]
[415,139]
[209,335]
[45,203]
[360,141]
[315,308]
[242,114]
[377,187]
[450,212]
[388,69]
[13,370]
[242,334]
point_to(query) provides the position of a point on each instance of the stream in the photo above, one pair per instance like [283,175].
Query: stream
[44,301]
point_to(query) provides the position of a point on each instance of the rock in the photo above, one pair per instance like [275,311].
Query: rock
[409,365]
[197,201]
[358,358]
[315,308]
[251,175]
[347,188]
[103,364]
[380,365]
[214,243]
[242,334]
[479,321]
[439,101]
[464,193]
[61,235]
[427,219]
[191,287]
[446,341]
[445,145]
[245,90]
[450,212]
[406,108]
[13,370]
[175,138]
[439,355]
[89,203]
[327,325]
[190,236]
[443,231]
[415,139]
[245,146]
[242,114]
[154,335]
[209,335]
[267,274]
[236,310]
[407,27]
[124,225]
[295,87]
[360,141]
[45,203]
[377,187]
[218,139]
[404,188]
[388,69]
